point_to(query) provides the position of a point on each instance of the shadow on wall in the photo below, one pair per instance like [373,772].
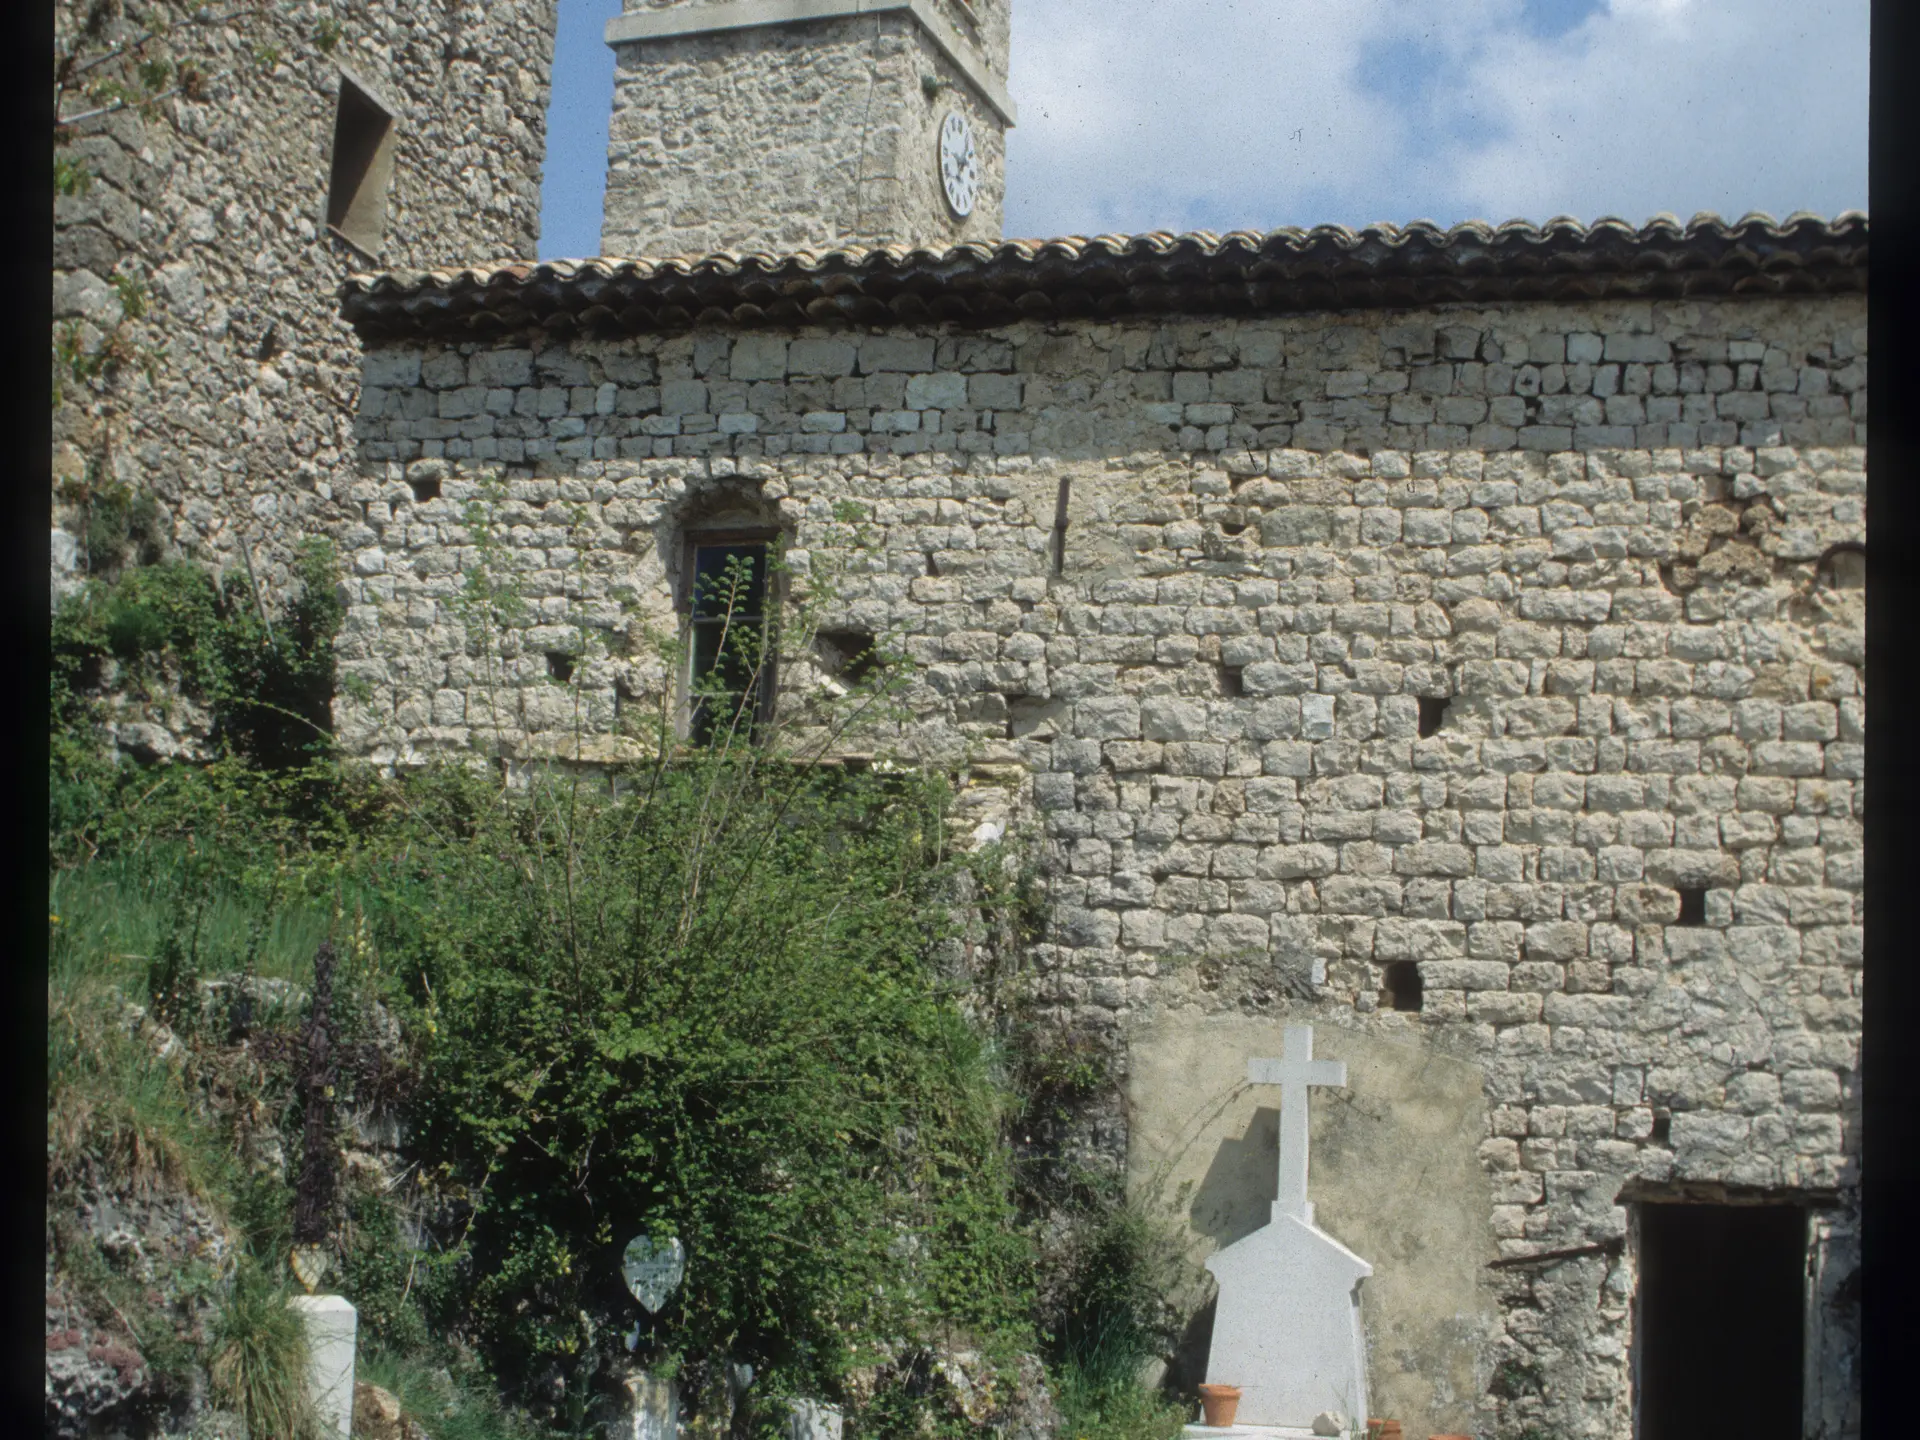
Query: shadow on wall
[1236,1196]
[1189,1367]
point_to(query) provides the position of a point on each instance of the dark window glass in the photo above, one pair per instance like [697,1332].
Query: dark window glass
[732,658]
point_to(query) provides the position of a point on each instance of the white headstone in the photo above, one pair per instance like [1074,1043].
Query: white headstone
[652,1411]
[331,1325]
[1286,1327]
[813,1420]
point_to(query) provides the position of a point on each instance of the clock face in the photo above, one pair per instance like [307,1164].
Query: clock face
[959,164]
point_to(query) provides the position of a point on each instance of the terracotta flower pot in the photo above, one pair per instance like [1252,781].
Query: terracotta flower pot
[1218,1404]
[1383,1429]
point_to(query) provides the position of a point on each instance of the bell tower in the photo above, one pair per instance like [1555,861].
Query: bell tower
[783,125]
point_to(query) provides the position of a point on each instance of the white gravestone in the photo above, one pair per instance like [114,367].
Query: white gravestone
[1286,1327]
[331,1324]
[812,1420]
[652,1409]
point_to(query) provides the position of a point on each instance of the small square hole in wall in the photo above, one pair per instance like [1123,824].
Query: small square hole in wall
[1662,1130]
[425,489]
[1033,717]
[847,655]
[363,143]
[1404,990]
[1842,567]
[1433,709]
[1228,681]
[560,665]
[1693,905]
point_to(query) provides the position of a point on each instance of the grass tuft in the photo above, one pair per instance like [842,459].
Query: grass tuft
[1097,1406]
[448,1409]
[259,1359]
[116,1110]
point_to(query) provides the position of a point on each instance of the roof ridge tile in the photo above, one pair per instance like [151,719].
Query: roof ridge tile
[1327,266]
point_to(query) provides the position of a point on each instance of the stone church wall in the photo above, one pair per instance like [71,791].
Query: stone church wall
[1618,538]
[215,205]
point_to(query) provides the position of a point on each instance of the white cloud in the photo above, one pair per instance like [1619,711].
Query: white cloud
[1136,115]
[1142,114]
[1679,105]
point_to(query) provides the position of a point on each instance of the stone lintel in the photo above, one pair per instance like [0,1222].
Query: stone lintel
[752,14]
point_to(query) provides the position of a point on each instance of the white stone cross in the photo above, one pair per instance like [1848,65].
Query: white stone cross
[1293,1073]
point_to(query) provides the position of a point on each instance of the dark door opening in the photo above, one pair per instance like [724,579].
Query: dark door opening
[1720,1316]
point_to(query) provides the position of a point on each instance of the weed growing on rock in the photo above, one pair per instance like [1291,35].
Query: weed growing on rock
[259,1357]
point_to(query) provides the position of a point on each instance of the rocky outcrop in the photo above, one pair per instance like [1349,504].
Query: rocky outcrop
[101,1380]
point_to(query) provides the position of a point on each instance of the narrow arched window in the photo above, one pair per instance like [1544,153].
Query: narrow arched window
[730,613]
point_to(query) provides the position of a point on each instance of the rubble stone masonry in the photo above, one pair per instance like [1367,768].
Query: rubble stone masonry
[236,414]
[1619,538]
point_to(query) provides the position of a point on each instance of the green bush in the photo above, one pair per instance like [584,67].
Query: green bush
[1108,1319]
[705,1010]
[702,1004]
[268,686]
[377,1273]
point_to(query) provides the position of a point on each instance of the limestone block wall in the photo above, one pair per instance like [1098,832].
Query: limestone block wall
[1618,539]
[789,137]
[242,428]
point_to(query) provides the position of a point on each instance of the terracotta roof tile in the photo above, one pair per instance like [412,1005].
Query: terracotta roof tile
[1326,268]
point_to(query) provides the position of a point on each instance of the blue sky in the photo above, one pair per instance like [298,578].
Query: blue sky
[1227,114]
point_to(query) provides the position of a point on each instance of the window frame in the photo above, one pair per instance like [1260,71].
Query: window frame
[766,683]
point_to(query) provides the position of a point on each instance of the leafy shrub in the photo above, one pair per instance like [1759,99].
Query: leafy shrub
[702,1005]
[268,686]
[1107,1319]
[377,1273]
[114,517]
[705,1010]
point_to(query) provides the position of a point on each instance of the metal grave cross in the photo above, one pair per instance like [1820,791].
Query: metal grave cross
[1293,1073]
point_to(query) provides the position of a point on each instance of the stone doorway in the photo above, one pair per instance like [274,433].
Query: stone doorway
[1720,1321]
